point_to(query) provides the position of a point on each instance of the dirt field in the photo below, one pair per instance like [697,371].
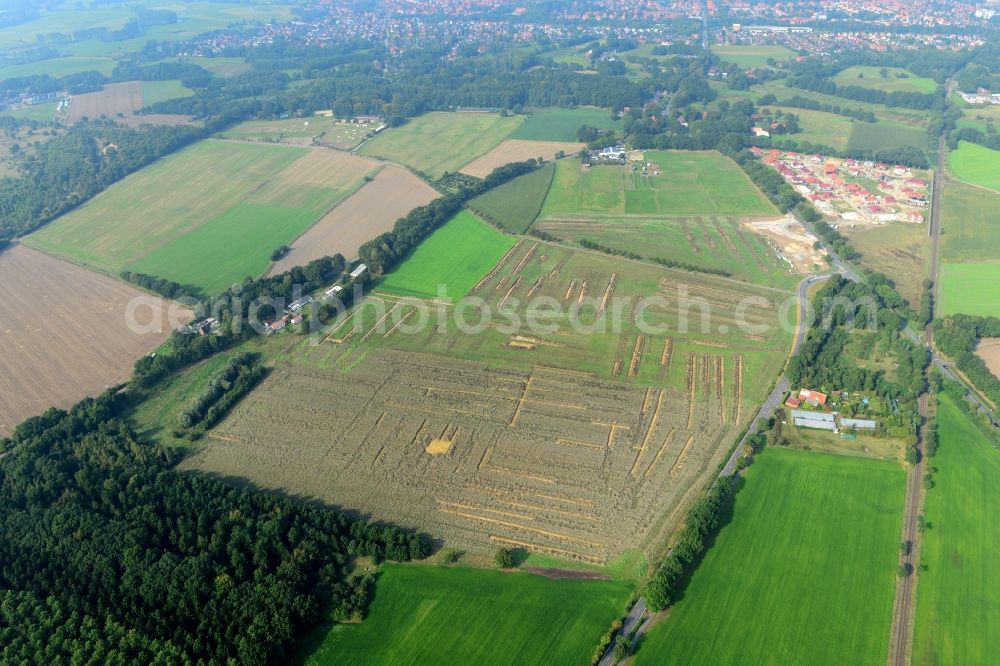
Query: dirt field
[125,98]
[517,150]
[551,460]
[989,350]
[370,211]
[64,334]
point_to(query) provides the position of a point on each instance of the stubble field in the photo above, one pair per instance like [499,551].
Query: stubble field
[126,98]
[65,334]
[518,150]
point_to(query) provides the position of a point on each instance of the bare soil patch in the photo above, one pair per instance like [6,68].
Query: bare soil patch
[370,211]
[64,333]
[517,150]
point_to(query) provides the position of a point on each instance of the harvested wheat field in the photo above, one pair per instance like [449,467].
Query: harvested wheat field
[370,211]
[551,460]
[988,349]
[64,335]
[124,98]
[518,150]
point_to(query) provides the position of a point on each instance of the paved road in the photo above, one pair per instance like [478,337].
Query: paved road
[637,614]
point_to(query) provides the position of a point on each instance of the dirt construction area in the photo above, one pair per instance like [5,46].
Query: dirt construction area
[64,334]
[793,243]
[370,211]
[550,460]
[518,150]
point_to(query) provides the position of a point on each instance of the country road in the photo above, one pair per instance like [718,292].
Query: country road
[636,621]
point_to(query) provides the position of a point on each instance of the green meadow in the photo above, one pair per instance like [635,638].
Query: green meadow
[434,615]
[515,204]
[885,136]
[209,215]
[827,129]
[976,165]
[969,288]
[958,612]
[804,573]
[746,55]
[438,142]
[562,124]
[160,91]
[688,183]
[458,255]
[970,228]
[58,67]
[896,79]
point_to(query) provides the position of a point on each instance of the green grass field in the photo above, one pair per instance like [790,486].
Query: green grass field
[40,112]
[160,91]
[433,615]
[827,129]
[515,204]
[871,77]
[208,216]
[58,67]
[331,132]
[439,142]
[746,55]
[976,165]
[958,613]
[970,229]
[969,288]
[457,255]
[883,136]
[224,66]
[689,183]
[803,574]
[562,124]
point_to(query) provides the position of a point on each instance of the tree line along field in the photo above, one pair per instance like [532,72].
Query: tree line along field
[441,141]
[896,79]
[804,571]
[48,360]
[207,216]
[976,165]
[420,613]
[515,204]
[575,445]
[562,124]
[519,150]
[957,616]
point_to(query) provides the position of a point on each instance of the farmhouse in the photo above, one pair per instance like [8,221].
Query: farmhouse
[814,398]
[816,420]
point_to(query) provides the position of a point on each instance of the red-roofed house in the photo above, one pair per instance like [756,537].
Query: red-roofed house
[814,398]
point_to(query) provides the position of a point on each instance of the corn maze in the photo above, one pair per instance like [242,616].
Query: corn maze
[576,444]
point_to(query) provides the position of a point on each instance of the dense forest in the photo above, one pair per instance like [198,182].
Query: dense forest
[110,555]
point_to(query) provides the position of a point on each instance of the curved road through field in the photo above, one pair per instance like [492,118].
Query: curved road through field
[636,621]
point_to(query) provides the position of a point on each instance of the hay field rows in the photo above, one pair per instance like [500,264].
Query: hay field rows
[813,540]
[65,334]
[370,211]
[441,141]
[518,150]
[209,215]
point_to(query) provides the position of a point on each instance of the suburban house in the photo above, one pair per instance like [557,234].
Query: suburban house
[814,398]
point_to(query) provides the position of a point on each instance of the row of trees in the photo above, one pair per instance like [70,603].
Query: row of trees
[225,387]
[669,263]
[111,556]
[162,286]
[800,102]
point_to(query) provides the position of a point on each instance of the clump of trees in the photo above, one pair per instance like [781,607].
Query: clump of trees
[161,286]
[280,252]
[957,337]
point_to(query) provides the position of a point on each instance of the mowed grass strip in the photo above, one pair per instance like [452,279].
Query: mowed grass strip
[562,124]
[970,229]
[958,612]
[434,615]
[457,255]
[970,288]
[209,215]
[442,141]
[803,574]
[976,165]
[515,204]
